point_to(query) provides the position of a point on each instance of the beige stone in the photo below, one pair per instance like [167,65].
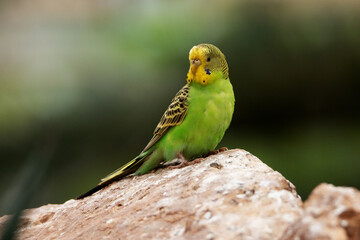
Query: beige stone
[331,213]
[230,195]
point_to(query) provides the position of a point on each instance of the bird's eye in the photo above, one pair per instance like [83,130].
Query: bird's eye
[208,59]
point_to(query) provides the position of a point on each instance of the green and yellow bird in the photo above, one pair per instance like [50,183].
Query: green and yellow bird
[195,121]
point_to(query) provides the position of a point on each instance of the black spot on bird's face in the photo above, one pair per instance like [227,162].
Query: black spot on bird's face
[208,59]
[207,71]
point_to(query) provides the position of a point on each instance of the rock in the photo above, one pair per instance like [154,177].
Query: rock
[331,213]
[230,195]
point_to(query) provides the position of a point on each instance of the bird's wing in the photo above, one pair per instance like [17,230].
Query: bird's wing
[174,115]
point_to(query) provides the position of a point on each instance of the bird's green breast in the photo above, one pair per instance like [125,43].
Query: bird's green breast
[210,109]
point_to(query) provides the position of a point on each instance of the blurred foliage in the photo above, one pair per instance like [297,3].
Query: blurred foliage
[101,73]
[20,193]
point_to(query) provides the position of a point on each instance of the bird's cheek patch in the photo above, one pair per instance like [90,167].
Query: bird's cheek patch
[205,79]
[204,76]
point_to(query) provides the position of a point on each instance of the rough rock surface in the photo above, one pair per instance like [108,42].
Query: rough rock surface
[331,213]
[231,195]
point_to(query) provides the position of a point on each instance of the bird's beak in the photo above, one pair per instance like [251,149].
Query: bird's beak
[194,64]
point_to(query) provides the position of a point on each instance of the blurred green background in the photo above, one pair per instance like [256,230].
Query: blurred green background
[96,76]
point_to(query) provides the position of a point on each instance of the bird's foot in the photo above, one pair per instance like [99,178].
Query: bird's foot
[223,149]
[184,162]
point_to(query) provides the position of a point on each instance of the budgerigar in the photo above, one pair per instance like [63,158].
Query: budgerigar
[195,121]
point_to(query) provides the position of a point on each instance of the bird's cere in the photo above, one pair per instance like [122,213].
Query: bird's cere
[194,64]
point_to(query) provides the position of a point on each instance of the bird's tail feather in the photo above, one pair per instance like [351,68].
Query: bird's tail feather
[125,170]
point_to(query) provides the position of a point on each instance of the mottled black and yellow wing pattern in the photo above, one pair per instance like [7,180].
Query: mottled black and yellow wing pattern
[174,115]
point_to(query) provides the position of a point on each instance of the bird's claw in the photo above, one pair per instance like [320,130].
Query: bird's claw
[186,163]
[223,149]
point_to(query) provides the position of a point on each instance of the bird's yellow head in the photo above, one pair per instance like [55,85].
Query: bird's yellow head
[207,63]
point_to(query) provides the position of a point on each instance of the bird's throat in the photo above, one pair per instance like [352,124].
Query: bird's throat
[198,74]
